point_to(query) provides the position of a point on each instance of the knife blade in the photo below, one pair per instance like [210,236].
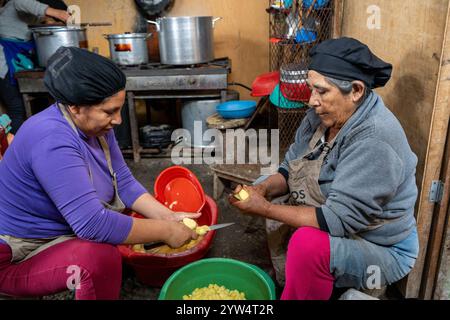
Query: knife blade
[220,226]
[154,244]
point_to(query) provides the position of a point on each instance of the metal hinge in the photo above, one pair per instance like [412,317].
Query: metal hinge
[436,191]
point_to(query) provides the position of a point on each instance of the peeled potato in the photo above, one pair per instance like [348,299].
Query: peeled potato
[202,230]
[165,249]
[138,248]
[241,195]
[191,224]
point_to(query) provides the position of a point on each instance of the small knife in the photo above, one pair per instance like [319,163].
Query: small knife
[154,244]
[220,226]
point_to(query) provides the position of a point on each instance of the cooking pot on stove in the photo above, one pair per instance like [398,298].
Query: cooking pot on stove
[185,40]
[49,38]
[128,48]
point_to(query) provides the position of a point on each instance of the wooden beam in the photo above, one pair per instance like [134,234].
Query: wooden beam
[338,17]
[442,286]
[436,237]
[433,164]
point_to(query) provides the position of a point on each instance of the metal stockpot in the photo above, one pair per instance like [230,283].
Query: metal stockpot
[128,48]
[185,40]
[48,39]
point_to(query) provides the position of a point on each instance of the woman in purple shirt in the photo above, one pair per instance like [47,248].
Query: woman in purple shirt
[64,183]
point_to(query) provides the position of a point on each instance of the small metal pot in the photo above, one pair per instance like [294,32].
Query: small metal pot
[185,40]
[49,38]
[128,48]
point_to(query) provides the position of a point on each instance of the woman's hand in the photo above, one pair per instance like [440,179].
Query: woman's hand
[57,14]
[178,216]
[259,188]
[255,204]
[178,235]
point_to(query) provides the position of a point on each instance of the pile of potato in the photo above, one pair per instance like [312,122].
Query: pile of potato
[215,292]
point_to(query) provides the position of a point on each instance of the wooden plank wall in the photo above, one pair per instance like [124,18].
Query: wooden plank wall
[410,37]
[242,34]
[121,13]
[437,270]
[436,169]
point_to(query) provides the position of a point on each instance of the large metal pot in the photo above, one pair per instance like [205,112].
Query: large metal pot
[200,110]
[49,38]
[185,40]
[128,48]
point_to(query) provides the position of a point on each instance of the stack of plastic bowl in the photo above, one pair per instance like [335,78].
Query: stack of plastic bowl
[279,100]
[264,84]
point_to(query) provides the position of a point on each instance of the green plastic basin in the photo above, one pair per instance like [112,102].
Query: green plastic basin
[233,274]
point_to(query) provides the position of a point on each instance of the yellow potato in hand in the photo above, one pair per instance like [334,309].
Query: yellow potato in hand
[191,224]
[241,195]
[202,230]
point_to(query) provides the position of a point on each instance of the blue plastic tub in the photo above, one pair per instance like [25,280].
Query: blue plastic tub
[236,109]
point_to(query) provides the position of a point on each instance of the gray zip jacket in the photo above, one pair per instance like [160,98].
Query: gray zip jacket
[368,178]
[15,17]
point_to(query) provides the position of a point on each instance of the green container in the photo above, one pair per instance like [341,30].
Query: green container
[233,274]
[279,100]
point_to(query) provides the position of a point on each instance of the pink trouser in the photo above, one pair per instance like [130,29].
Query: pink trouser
[308,274]
[95,267]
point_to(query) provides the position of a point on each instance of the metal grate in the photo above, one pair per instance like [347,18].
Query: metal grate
[288,122]
[295,27]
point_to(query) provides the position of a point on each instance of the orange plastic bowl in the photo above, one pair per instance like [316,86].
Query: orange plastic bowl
[179,189]
[264,84]
[154,269]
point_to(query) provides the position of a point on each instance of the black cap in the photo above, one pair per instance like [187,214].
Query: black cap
[349,59]
[76,76]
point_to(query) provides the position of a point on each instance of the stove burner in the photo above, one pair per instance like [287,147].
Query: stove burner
[217,63]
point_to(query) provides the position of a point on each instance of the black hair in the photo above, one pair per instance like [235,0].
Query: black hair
[55,4]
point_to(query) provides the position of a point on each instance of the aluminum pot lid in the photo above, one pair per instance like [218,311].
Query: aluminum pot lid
[127,36]
[185,18]
[54,28]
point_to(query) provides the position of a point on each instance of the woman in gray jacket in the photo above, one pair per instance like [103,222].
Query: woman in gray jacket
[346,217]
[15,39]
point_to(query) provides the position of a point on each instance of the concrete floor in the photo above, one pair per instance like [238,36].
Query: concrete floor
[237,242]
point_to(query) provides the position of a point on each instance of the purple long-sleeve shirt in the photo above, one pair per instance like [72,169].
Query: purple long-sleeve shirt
[46,190]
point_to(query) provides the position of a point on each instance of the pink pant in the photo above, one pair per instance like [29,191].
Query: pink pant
[53,270]
[308,274]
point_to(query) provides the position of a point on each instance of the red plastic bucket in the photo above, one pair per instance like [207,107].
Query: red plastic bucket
[179,189]
[154,269]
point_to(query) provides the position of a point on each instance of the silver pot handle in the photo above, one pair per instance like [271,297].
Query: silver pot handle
[215,20]
[44,33]
[155,23]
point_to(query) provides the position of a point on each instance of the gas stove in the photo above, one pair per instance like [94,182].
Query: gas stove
[156,76]
[153,77]
[220,63]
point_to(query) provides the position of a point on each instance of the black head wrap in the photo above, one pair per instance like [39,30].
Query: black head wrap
[55,4]
[349,59]
[76,76]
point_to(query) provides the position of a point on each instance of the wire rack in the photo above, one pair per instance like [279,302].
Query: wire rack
[296,26]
